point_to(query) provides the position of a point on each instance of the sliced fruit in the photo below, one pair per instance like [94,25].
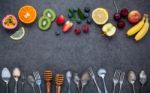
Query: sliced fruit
[60,20]
[109,29]
[50,13]
[100,16]
[18,34]
[44,23]
[27,14]
[140,35]
[9,22]
[133,30]
[68,25]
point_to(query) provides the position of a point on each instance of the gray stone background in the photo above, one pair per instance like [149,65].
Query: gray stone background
[40,50]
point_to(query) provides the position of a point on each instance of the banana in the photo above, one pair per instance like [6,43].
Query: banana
[143,31]
[137,27]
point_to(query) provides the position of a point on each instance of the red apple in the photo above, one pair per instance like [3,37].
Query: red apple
[134,17]
[60,20]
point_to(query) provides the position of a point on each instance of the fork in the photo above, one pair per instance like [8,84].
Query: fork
[91,73]
[116,78]
[121,80]
[37,79]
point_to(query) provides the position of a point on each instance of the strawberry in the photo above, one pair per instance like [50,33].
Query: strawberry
[60,20]
[68,25]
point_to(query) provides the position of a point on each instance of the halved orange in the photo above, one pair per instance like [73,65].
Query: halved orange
[27,14]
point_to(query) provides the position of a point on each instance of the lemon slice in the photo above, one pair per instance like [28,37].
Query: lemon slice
[100,16]
[18,34]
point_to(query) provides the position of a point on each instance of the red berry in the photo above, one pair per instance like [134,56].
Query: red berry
[121,24]
[124,12]
[85,28]
[117,16]
[60,20]
[77,31]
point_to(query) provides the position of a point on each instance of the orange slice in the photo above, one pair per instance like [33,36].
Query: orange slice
[27,14]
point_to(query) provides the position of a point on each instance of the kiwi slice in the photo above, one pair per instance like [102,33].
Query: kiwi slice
[50,13]
[44,23]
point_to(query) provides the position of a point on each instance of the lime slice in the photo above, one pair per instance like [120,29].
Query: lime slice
[18,34]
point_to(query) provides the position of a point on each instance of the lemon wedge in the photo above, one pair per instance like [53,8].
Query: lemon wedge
[18,34]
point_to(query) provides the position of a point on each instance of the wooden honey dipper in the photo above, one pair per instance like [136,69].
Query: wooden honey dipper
[48,79]
[59,81]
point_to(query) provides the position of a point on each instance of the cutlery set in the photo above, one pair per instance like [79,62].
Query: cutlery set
[35,80]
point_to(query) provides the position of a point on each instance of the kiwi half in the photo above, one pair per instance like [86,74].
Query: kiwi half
[50,13]
[44,23]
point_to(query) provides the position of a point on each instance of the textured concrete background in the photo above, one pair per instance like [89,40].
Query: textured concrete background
[40,50]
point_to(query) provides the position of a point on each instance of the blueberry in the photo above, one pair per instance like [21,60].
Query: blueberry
[69,15]
[87,9]
[89,21]
[86,15]
[74,9]
[78,21]
[57,32]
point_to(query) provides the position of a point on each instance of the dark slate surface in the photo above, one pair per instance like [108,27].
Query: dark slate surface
[40,50]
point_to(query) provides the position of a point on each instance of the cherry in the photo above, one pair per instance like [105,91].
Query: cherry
[121,24]
[117,16]
[124,12]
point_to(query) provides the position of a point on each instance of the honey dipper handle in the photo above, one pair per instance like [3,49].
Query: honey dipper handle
[58,89]
[48,87]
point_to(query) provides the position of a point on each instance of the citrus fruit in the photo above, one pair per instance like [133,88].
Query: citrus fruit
[44,23]
[27,14]
[100,16]
[50,13]
[9,22]
[18,34]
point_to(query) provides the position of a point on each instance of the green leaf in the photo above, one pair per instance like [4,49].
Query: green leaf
[81,14]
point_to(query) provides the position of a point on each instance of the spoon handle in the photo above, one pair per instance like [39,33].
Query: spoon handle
[16,87]
[105,86]
[133,88]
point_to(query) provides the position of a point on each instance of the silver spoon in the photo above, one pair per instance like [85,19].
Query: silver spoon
[6,75]
[102,73]
[31,81]
[77,81]
[69,76]
[143,79]
[132,79]
[84,79]
[16,74]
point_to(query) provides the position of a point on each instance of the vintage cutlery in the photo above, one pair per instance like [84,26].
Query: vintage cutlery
[143,79]
[31,81]
[48,79]
[116,79]
[94,79]
[84,80]
[77,81]
[132,79]
[121,80]
[16,74]
[102,73]
[23,78]
[69,76]
[59,81]
[6,75]
[38,80]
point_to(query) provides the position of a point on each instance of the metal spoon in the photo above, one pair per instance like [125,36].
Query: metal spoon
[102,73]
[143,79]
[84,79]
[69,76]
[132,79]
[6,75]
[77,81]
[16,74]
[31,81]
